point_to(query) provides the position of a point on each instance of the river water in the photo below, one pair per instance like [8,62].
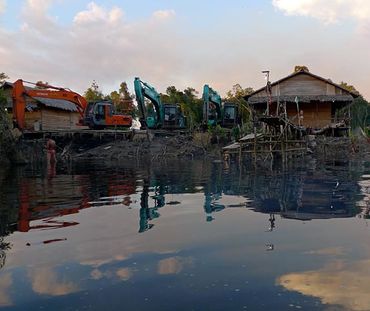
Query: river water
[186,236]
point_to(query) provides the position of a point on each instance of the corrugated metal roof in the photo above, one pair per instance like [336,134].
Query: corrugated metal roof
[57,103]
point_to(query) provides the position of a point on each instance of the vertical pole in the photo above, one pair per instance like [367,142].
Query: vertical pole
[255,140]
[268,91]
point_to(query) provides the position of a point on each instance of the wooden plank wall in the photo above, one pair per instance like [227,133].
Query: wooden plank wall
[315,115]
[30,118]
[302,84]
[52,119]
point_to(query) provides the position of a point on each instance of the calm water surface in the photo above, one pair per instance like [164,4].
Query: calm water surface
[186,236]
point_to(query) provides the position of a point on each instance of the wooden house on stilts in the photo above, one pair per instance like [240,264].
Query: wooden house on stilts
[291,108]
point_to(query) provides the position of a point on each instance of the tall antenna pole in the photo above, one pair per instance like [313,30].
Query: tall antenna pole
[268,90]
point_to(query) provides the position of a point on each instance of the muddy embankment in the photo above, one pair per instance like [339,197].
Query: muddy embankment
[157,148]
[339,148]
[138,147]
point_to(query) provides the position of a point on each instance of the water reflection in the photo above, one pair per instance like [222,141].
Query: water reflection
[201,227]
[300,193]
[340,283]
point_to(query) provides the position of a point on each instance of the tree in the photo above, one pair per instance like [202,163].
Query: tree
[349,88]
[123,101]
[190,105]
[301,68]
[360,109]
[93,93]
[3,77]
[124,92]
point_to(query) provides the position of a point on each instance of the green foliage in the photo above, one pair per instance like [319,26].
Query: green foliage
[218,134]
[360,113]
[235,133]
[93,93]
[2,98]
[3,77]
[360,109]
[123,100]
[349,88]
[115,97]
[124,92]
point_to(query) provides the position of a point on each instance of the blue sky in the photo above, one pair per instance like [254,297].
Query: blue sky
[183,43]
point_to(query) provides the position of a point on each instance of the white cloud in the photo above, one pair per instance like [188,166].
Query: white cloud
[96,13]
[39,5]
[6,282]
[99,45]
[164,14]
[46,281]
[173,265]
[329,11]
[341,283]
[2,6]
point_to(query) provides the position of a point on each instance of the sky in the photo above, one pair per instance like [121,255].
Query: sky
[184,43]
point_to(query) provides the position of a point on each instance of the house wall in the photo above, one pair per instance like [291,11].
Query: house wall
[30,118]
[50,119]
[53,119]
[315,114]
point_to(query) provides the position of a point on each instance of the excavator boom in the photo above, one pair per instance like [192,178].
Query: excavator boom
[142,91]
[211,97]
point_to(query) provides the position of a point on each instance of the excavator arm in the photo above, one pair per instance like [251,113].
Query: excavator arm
[142,91]
[51,92]
[211,97]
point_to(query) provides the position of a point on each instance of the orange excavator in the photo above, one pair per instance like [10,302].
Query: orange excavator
[96,115]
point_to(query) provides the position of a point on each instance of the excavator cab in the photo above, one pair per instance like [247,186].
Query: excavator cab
[100,115]
[230,117]
[173,117]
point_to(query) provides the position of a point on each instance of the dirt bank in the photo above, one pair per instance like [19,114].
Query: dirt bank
[196,146]
[181,146]
[156,148]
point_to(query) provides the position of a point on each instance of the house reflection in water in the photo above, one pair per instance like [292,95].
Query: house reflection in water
[331,192]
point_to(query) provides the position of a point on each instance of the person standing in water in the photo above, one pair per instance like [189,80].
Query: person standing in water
[51,156]
[50,149]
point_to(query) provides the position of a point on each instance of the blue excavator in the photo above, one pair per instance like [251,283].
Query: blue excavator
[215,112]
[160,116]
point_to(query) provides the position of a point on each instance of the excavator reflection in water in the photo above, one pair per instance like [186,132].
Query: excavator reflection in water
[296,194]
[150,213]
